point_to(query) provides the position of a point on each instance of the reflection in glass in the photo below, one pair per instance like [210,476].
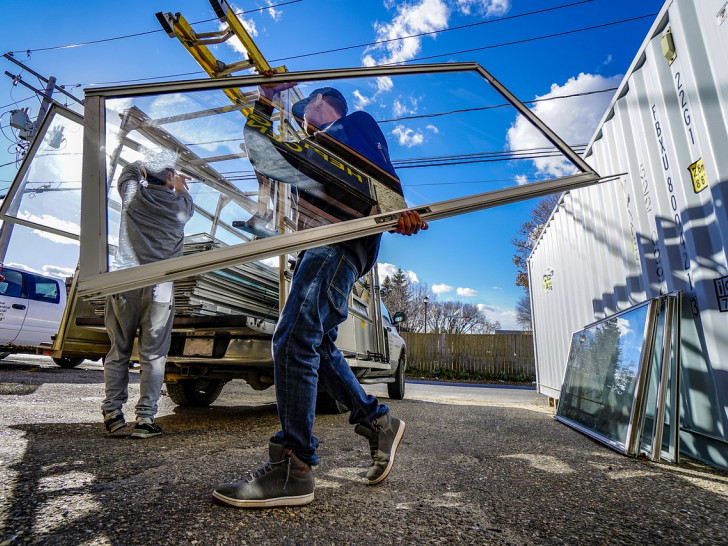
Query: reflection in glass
[49,194]
[255,172]
[622,380]
[602,371]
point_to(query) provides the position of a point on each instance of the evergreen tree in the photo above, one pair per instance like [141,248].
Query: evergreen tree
[396,291]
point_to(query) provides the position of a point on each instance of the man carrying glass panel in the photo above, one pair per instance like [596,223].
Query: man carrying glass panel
[304,351]
[155,207]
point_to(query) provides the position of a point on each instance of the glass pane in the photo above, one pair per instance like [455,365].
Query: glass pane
[42,252]
[653,383]
[49,193]
[601,375]
[255,169]
[670,442]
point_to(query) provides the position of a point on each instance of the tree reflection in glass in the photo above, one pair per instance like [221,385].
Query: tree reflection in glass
[601,375]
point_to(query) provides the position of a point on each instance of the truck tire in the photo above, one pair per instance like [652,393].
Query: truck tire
[396,389]
[197,393]
[68,362]
[326,404]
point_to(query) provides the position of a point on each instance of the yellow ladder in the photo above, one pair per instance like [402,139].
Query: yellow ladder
[176,26]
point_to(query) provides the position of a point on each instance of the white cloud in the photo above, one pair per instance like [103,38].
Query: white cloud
[408,137]
[234,43]
[441,289]
[466,292]
[404,107]
[416,18]
[573,119]
[54,222]
[55,238]
[360,101]
[521,179]
[388,270]
[218,133]
[623,326]
[384,84]
[506,317]
[48,270]
[433,129]
[119,105]
[399,109]
[274,13]
[485,7]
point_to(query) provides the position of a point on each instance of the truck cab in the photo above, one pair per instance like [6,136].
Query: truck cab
[31,307]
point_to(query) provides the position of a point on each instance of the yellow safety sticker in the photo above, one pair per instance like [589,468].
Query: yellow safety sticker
[697,173]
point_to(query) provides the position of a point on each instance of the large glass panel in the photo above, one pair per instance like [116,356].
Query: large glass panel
[33,249]
[653,384]
[670,446]
[599,389]
[256,170]
[49,192]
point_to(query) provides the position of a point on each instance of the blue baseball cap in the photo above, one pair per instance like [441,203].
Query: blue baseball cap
[300,106]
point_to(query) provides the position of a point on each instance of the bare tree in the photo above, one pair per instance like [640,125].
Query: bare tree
[529,233]
[523,312]
[455,317]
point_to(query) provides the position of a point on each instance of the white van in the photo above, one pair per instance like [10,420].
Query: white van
[31,307]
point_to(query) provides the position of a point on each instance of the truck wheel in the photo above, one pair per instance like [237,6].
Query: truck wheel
[327,404]
[195,392]
[69,361]
[396,389]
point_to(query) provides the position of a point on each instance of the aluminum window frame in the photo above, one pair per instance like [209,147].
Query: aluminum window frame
[96,280]
[53,111]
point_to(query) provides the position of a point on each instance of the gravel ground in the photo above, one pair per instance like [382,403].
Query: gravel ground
[476,466]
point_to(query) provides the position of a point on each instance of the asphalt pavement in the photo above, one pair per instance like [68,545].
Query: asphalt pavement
[476,466]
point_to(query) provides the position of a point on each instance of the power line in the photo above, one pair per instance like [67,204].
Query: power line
[480,108]
[18,101]
[525,40]
[492,46]
[438,114]
[432,32]
[28,51]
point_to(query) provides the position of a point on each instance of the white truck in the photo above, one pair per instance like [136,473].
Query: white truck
[31,307]
[212,343]
[208,351]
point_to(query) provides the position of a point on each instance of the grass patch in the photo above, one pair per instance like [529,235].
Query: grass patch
[447,375]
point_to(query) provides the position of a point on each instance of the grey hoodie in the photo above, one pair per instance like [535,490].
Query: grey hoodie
[152,220]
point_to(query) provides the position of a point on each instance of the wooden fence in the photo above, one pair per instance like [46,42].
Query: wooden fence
[487,354]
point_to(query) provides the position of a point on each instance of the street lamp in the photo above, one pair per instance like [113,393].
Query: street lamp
[426,300]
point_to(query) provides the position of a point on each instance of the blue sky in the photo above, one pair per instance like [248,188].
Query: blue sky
[536,55]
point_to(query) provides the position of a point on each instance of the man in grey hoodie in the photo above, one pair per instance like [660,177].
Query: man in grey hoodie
[155,207]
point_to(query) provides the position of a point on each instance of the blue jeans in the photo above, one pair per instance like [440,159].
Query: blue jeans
[305,355]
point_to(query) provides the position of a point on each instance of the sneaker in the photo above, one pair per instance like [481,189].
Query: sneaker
[113,420]
[384,436]
[146,428]
[285,480]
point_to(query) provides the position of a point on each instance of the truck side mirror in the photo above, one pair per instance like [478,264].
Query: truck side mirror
[399,316]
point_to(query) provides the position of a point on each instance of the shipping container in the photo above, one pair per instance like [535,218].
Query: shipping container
[661,227]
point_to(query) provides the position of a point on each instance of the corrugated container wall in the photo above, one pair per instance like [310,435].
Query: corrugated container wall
[661,227]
